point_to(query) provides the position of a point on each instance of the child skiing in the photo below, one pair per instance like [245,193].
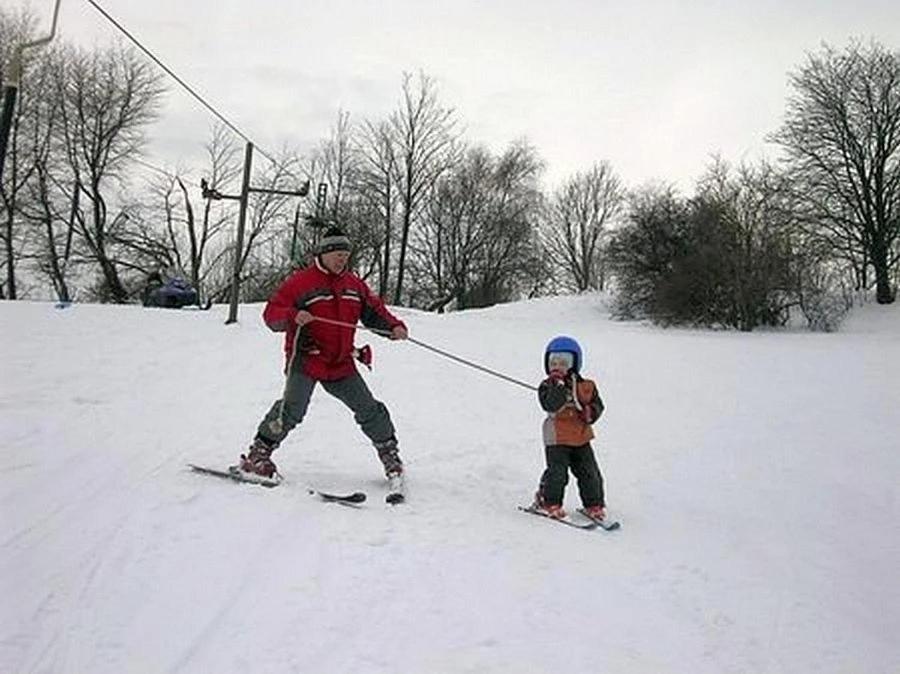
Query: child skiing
[572,404]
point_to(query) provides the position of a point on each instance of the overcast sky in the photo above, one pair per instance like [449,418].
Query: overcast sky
[653,87]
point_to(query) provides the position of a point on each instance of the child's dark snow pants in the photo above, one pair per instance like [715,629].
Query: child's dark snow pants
[581,460]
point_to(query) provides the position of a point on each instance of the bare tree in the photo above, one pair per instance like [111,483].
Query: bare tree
[353,191]
[723,258]
[454,229]
[378,191]
[225,163]
[423,135]
[49,201]
[477,243]
[178,235]
[842,136]
[641,252]
[755,212]
[108,99]
[511,257]
[336,161]
[579,216]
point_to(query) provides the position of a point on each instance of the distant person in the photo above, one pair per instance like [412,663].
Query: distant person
[172,293]
[572,404]
[153,283]
[321,352]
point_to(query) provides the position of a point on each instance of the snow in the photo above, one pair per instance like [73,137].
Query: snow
[755,476]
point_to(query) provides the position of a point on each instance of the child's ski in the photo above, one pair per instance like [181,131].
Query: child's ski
[608,525]
[587,526]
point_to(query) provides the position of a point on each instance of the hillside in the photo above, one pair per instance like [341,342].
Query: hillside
[755,476]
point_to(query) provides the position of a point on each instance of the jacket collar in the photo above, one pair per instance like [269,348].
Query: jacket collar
[325,271]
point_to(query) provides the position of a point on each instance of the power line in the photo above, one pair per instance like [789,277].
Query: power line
[180,81]
[148,165]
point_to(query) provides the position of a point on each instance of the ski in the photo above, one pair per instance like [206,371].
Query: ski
[396,490]
[586,526]
[235,475]
[608,525]
[354,498]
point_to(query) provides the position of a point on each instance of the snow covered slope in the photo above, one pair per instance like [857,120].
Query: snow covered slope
[755,476]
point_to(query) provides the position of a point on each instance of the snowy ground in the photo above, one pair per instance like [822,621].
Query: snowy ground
[755,476]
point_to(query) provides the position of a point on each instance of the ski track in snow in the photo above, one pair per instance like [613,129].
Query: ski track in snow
[754,476]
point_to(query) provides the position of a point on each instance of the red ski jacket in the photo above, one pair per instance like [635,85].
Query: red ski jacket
[325,349]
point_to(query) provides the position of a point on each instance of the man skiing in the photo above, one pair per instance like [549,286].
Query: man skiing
[307,307]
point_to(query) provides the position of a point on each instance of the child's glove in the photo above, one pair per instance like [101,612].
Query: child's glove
[364,355]
[553,394]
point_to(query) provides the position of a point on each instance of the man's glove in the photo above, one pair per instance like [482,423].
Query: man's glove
[303,317]
[364,355]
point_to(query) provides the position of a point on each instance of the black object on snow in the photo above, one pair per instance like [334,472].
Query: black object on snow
[171,294]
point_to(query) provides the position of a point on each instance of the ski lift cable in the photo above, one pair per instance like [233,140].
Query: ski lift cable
[180,81]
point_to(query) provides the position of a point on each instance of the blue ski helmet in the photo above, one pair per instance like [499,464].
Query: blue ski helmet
[563,343]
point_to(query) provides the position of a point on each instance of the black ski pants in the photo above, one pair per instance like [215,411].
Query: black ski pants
[370,414]
[583,464]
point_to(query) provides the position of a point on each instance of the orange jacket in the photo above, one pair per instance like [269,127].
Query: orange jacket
[572,405]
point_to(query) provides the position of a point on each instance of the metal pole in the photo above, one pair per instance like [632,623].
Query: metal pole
[294,236]
[239,244]
[11,88]
[9,104]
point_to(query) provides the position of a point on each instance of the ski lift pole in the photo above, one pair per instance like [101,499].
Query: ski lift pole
[12,80]
[433,349]
[239,243]
[211,192]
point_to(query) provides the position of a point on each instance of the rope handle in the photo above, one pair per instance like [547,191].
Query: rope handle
[434,349]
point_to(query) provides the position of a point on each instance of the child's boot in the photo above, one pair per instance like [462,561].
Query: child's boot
[595,512]
[553,510]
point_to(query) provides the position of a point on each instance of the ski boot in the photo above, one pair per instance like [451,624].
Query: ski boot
[595,512]
[257,465]
[389,454]
[552,510]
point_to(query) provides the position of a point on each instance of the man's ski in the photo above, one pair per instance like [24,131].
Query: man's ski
[587,526]
[354,498]
[396,490]
[235,475]
[609,525]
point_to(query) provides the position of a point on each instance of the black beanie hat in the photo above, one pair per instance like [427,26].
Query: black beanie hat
[333,239]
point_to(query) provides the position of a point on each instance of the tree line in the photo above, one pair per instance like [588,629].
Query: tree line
[441,222]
